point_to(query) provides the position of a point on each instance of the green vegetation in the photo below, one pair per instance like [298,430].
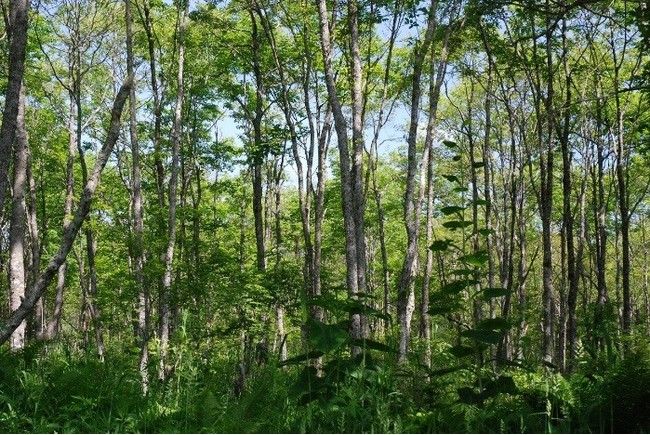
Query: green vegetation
[325,216]
[58,390]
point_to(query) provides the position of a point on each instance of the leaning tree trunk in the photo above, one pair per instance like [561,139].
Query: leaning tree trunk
[70,234]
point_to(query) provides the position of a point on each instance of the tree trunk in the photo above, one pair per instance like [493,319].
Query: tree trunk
[258,152]
[546,202]
[347,179]
[165,309]
[319,209]
[567,214]
[91,244]
[405,296]
[17,47]
[138,218]
[145,17]
[53,325]
[32,220]
[17,227]
[69,235]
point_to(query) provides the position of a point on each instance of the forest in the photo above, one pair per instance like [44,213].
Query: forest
[305,216]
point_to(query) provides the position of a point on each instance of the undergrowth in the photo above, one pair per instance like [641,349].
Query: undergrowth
[49,390]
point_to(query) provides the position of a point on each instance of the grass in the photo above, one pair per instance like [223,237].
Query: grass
[54,390]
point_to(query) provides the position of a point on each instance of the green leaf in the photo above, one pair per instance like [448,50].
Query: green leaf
[478,164]
[461,351]
[451,210]
[362,295]
[324,337]
[374,345]
[445,371]
[440,245]
[481,201]
[451,178]
[353,306]
[449,143]
[502,384]
[457,286]
[463,272]
[460,189]
[478,259]
[457,157]
[498,323]
[308,386]
[301,358]
[483,336]
[496,292]
[485,232]
[454,225]
[328,302]
[468,396]
[443,309]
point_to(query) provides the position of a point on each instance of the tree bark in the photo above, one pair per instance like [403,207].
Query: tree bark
[347,179]
[17,48]
[17,227]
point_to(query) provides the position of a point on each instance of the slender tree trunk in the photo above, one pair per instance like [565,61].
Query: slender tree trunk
[91,295]
[572,323]
[165,309]
[546,197]
[138,218]
[17,227]
[91,249]
[319,209]
[347,181]
[358,146]
[425,322]
[145,17]
[303,191]
[600,211]
[258,151]
[623,207]
[567,215]
[405,296]
[32,220]
[53,325]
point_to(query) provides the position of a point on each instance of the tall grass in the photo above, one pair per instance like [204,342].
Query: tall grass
[52,389]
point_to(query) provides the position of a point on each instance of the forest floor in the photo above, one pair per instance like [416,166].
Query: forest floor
[52,389]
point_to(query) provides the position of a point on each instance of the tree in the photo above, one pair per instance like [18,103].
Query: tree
[17,24]
[69,235]
[165,308]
